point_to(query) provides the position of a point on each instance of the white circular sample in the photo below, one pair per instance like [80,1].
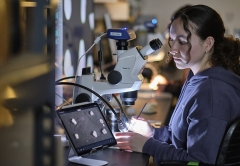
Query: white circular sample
[76,136]
[91,113]
[104,131]
[74,121]
[94,133]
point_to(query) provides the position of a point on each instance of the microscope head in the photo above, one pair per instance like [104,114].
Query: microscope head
[130,64]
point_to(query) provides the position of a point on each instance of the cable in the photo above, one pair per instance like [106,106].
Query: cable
[95,42]
[121,126]
[100,60]
[90,90]
[121,108]
[65,78]
[62,98]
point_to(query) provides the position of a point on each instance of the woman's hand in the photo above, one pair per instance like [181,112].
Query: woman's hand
[130,141]
[141,126]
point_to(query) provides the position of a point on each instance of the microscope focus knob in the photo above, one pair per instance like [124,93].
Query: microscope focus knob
[114,77]
[82,97]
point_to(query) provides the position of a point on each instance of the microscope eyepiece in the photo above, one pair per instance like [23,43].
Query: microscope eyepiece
[153,45]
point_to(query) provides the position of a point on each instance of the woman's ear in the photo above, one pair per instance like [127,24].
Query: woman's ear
[209,42]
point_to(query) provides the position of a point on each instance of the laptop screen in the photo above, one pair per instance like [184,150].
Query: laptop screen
[86,128]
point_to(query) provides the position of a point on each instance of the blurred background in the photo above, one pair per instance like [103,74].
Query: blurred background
[42,41]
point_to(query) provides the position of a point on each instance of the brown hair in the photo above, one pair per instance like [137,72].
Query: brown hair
[226,49]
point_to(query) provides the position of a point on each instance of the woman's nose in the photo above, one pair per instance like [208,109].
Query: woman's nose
[174,49]
[173,52]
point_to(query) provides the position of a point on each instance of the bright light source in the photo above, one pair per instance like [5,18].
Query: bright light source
[157,80]
[83,11]
[68,9]
[154,21]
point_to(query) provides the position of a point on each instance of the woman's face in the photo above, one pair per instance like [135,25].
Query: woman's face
[183,56]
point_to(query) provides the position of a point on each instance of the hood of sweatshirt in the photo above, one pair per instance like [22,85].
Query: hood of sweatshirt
[217,72]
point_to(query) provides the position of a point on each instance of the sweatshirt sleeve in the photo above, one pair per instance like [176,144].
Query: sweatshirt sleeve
[162,134]
[162,151]
[202,144]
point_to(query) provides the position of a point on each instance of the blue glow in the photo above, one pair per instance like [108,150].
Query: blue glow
[154,21]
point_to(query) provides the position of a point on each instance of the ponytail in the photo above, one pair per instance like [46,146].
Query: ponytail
[227,54]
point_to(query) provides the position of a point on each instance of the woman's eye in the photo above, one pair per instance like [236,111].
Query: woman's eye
[182,42]
[170,42]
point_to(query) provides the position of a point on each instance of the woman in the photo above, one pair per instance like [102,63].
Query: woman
[210,98]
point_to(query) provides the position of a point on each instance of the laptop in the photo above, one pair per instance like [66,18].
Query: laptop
[86,128]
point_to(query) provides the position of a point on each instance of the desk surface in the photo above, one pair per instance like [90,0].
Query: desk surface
[115,157]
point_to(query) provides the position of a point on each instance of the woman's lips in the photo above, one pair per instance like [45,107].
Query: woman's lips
[176,59]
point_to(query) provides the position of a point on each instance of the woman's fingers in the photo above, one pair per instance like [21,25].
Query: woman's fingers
[130,141]
[125,134]
[121,139]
